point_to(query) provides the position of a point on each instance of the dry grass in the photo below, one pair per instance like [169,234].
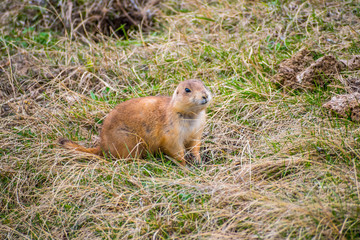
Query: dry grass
[80,18]
[276,165]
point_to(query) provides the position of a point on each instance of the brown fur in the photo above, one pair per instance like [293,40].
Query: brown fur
[169,124]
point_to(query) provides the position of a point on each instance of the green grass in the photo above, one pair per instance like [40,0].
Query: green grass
[275,164]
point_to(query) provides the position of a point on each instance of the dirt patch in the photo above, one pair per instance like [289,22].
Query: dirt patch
[353,85]
[347,105]
[289,68]
[319,73]
[302,72]
[353,64]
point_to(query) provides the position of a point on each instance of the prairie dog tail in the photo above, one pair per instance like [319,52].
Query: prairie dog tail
[68,144]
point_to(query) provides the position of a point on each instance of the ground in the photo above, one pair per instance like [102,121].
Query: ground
[276,163]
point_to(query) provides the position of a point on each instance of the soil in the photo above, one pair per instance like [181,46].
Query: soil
[353,85]
[353,64]
[289,68]
[319,73]
[346,105]
[302,72]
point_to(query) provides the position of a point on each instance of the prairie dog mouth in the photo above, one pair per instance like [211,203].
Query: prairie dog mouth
[206,98]
[204,101]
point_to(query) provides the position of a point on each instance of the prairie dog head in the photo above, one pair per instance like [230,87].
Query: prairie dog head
[191,97]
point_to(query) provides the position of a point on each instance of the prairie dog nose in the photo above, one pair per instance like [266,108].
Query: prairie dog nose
[204,99]
[205,95]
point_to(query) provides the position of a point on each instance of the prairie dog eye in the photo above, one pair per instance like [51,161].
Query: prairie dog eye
[187,90]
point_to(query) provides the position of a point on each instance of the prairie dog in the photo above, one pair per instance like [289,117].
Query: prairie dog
[168,124]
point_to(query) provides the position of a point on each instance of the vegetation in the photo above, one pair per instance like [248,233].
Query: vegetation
[275,165]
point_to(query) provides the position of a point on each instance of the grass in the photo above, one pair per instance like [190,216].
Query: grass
[275,165]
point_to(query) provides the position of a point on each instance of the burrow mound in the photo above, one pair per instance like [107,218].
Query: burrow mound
[290,68]
[301,71]
[107,16]
[346,105]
